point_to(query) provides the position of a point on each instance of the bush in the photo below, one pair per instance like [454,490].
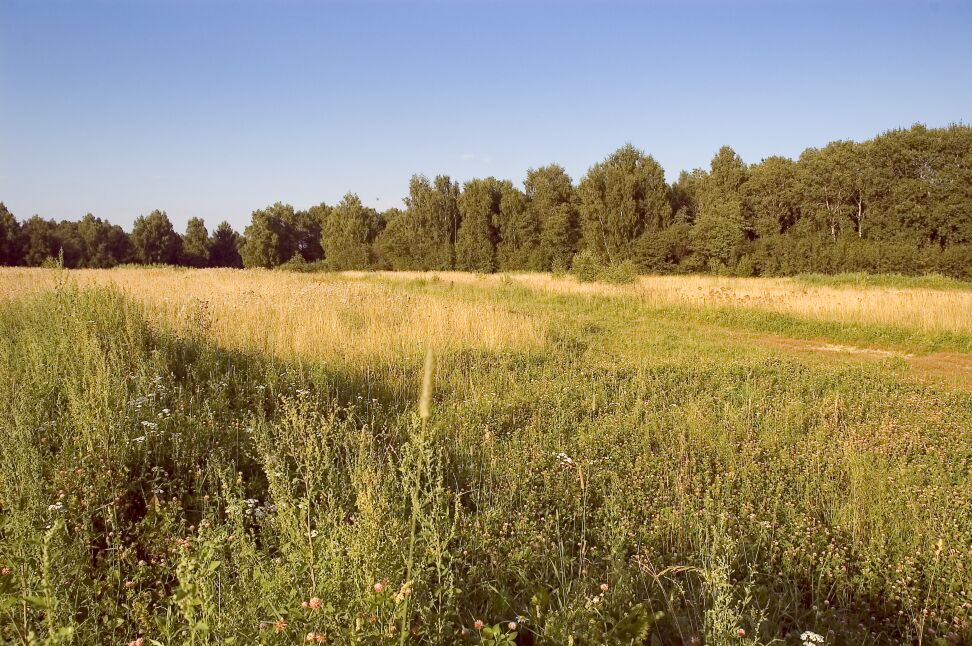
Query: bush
[621,274]
[298,264]
[585,266]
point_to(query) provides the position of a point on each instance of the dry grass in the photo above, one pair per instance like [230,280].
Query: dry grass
[299,315]
[925,310]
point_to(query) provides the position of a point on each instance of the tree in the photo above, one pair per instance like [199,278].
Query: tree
[348,232]
[620,199]
[305,232]
[103,244]
[828,187]
[195,244]
[40,240]
[771,194]
[479,205]
[424,235]
[72,249]
[720,228]
[719,233]
[224,247]
[389,246]
[155,241]
[269,240]
[519,231]
[553,205]
[11,238]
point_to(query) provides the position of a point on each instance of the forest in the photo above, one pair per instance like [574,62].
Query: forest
[900,202]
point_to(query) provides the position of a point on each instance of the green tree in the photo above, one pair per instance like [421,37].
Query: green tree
[424,235]
[195,244]
[519,231]
[269,239]
[621,198]
[553,205]
[348,233]
[389,246]
[479,205]
[305,232]
[828,187]
[154,241]
[40,240]
[771,194]
[224,247]
[720,229]
[11,238]
[103,244]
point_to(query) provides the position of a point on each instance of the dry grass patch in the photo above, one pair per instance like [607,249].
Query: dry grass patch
[299,315]
[920,309]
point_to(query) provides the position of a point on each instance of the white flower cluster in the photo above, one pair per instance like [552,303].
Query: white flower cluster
[810,638]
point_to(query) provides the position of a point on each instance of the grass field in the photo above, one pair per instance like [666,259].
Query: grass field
[258,457]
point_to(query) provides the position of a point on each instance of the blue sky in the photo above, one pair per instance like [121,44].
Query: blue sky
[215,108]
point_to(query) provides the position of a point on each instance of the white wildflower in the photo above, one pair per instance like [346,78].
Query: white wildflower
[810,638]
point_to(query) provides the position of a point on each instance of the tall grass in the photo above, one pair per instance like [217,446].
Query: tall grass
[181,483]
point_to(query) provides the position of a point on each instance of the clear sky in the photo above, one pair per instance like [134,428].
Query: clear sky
[214,108]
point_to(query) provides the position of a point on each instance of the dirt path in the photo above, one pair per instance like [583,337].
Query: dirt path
[952,368]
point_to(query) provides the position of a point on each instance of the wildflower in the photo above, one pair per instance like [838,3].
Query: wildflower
[810,638]
[279,625]
[604,587]
[478,624]
[741,632]
[137,642]
[511,626]
[379,587]
[303,604]
[4,571]
[314,603]
[404,592]
[311,638]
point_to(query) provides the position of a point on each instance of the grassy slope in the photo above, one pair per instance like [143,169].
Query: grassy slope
[710,480]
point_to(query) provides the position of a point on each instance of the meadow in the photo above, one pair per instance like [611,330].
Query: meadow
[262,457]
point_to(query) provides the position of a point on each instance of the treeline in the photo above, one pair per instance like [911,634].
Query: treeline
[901,202]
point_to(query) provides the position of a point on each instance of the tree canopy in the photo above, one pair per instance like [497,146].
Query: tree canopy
[901,202]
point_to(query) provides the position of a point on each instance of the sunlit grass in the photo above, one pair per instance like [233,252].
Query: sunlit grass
[196,457]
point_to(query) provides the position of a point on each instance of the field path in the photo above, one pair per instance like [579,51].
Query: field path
[953,368]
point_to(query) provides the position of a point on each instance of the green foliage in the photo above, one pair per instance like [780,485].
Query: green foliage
[195,244]
[620,199]
[349,229]
[587,267]
[224,247]
[154,241]
[480,208]
[519,231]
[896,203]
[553,205]
[640,480]
[270,238]
[423,236]
[11,238]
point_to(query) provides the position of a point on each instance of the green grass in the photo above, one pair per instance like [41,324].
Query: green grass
[167,488]
[897,281]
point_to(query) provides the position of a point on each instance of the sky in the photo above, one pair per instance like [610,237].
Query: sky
[214,108]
